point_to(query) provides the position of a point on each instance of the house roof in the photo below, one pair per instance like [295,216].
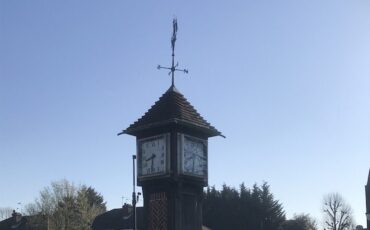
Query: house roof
[17,222]
[119,218]
[172,108]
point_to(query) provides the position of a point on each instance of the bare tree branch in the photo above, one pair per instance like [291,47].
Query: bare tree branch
[5,213]
[337,213]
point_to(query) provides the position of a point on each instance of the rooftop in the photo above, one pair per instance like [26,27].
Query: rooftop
[172,108]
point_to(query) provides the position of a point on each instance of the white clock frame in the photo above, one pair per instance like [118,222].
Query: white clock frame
[140,142]
[181,152]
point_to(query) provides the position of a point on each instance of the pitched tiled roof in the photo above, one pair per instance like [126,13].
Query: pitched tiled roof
[16,222]
[172,107]
[119,218]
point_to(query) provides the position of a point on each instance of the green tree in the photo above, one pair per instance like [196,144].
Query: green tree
[89,205]
[254,209]
[272,213]
[67,207]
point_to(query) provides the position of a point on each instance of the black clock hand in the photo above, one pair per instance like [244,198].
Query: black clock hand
[151,157]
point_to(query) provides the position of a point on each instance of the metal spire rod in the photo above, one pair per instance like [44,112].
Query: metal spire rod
[173,66]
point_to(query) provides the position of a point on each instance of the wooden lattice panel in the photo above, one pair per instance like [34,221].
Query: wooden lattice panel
[158,211]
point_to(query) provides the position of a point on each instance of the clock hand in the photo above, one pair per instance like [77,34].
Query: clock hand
[151,157]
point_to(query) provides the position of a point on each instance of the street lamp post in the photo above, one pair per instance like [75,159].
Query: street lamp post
[133,193]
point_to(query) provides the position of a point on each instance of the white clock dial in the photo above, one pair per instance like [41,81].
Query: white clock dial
[194,156]
[153,156]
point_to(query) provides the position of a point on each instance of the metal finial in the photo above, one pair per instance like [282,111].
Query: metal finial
[173,66]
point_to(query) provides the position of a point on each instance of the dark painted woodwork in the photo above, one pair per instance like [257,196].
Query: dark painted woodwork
[177,187]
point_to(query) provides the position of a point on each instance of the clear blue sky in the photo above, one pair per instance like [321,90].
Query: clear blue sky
[288,83]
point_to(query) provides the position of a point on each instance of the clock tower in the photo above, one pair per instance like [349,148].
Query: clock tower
[172,159]
[172,162]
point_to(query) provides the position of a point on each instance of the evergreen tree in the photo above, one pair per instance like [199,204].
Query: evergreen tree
[254,209]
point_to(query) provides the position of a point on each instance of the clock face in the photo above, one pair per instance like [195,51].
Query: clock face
[194,156]
[152,156]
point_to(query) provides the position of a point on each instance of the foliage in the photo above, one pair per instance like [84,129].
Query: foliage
[245,209]
[299,222]
[67,207]
[337,213]
[89,205]
[5,213]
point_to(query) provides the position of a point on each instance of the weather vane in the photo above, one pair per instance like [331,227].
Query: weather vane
[173,68]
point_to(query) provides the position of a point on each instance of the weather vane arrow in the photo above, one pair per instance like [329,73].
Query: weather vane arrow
[173,67]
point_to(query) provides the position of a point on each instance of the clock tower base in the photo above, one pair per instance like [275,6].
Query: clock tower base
[173,206]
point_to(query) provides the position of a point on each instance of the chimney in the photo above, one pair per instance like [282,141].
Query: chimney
[16,216]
